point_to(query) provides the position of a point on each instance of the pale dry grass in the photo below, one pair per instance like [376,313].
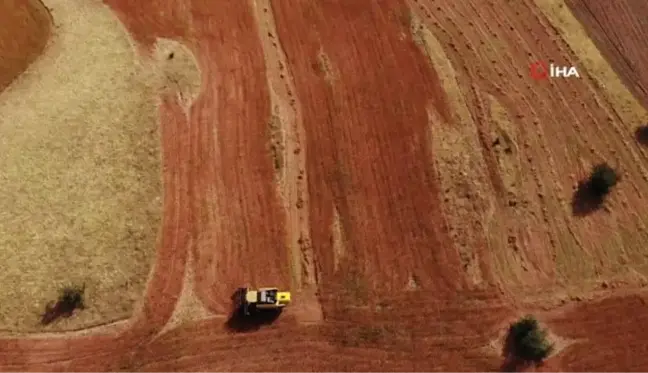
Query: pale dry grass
[459,166]
[80,171]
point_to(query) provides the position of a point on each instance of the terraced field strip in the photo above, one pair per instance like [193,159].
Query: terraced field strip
[289,152]
[240,232]
[368,152]
[466,189]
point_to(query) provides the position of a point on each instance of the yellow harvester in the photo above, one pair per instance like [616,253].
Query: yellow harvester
[264,299]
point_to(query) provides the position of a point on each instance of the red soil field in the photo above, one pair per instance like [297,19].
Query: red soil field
[19,50]
[366,131]
[619,29]
[611,327]
[394,291]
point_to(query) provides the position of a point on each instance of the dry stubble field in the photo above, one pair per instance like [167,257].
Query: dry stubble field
[392,163]
[80,168]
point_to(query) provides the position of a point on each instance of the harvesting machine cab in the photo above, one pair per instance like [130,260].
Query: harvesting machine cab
[263,299]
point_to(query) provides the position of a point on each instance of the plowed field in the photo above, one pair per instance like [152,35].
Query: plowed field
[395,166]
[619,29]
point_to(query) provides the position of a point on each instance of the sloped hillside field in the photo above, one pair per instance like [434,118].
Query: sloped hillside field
[391,163]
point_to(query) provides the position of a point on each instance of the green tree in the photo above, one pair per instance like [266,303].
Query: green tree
[71,297]
[528,342]
[602,179]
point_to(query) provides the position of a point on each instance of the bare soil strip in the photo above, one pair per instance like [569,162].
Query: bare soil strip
[293,175]
[240,233]
[368,155]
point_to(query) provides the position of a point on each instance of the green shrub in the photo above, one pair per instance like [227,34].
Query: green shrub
[602,179]
[528,342]
[71,297]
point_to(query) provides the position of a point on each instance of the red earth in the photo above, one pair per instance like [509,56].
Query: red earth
[392,292]
[19,50]
[619,30]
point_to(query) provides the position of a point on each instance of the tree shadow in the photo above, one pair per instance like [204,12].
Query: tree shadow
[511,362]
[70,299]
[252,319]
[586,200]
[641,135]
[55,311]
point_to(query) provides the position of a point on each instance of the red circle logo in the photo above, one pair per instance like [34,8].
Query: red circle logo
[539,70]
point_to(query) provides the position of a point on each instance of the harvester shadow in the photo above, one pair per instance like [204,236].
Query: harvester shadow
[240,322]
[641,135]
[585,200]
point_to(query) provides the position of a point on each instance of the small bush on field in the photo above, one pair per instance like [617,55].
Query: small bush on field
[591,192]
[70,299]
[527,342]
[641,135]
[602,179]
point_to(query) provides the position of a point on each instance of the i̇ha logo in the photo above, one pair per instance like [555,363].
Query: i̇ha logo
[541,70]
